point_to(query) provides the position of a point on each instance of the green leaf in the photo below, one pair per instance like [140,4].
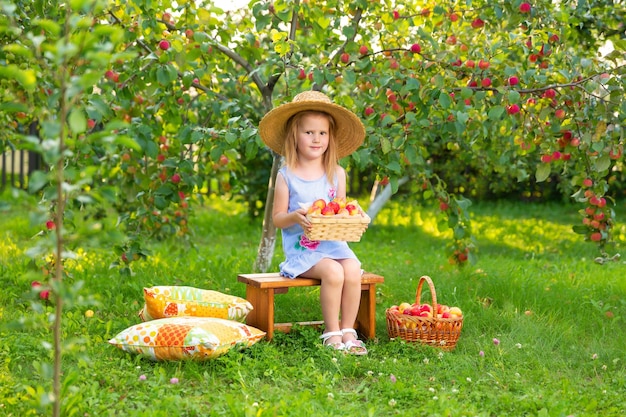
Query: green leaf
[160,202]
[12,107]
[514,96]
[385,145]
[36,181]
[496,112]
[394,166]
[127,141]
[444,100]
[466,93]
[77,121]
[48,25]
[18,50]
[603,163]
[26,77]
[543,172]
[323,22]
[580,229]
[349,76]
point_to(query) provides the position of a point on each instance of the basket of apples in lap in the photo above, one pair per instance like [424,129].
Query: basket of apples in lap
[431,324]
[336,220]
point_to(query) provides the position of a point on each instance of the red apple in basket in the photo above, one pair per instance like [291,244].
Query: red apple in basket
[335,206]
[328,211]
[426,313]
[415,310]
[404,306]
[316,207]
[426,307]
[321,203]
[455,312]
[352,209]
[340,201]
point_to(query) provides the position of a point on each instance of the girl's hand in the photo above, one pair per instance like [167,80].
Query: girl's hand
[300,215]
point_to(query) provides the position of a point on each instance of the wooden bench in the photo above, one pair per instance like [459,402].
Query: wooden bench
[260,290]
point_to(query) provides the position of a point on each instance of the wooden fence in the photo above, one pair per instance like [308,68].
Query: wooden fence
[16,166]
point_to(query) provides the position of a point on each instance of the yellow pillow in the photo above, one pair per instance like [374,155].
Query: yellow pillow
[198,338]
[176,301]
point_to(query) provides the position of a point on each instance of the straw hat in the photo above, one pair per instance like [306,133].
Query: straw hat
[349,130]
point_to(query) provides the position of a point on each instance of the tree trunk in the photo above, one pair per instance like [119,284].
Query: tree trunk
[381,198]
[265,253]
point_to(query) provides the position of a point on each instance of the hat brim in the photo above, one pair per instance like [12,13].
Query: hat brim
[349,130]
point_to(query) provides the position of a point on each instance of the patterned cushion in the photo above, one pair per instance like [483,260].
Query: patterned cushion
[175,301]
[198,338]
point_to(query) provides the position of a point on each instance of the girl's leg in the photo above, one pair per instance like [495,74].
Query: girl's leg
[351,295]
[331,273]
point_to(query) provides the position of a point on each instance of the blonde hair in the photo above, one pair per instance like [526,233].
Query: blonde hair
[291,152]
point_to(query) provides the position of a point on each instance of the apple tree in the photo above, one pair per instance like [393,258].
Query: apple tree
[510,92]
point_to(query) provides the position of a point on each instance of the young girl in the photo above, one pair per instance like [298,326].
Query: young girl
[312,133]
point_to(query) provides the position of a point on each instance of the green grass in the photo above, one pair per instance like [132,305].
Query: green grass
[535,288]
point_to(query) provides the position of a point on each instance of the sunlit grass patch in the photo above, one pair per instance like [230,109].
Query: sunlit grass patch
[557,317]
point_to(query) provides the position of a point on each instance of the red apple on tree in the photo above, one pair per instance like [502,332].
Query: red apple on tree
[615,153]
[513,109]
[549,93]
[164,44]
[112,76]
[478,23]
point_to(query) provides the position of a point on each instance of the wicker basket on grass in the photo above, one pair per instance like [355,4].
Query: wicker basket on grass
[346,228]
[432,331]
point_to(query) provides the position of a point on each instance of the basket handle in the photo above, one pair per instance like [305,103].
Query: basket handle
[433,293]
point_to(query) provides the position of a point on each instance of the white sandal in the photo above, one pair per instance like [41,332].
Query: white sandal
[354,347]
[336,345]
